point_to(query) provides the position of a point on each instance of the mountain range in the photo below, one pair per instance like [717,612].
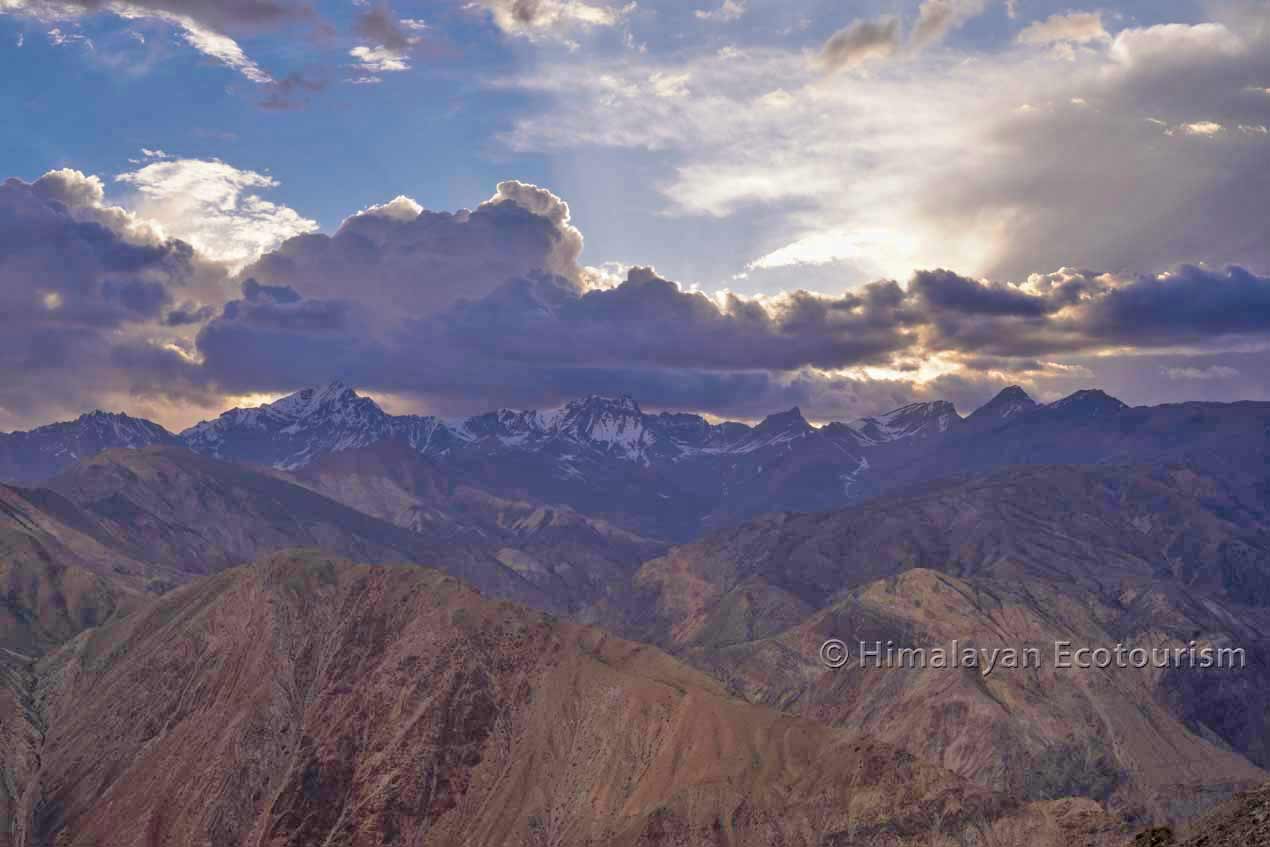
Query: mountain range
[670,475]
[640,664]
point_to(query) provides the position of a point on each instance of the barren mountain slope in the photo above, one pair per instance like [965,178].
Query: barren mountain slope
[1112,734]
[30,457]
[1095,527]
[55,581]
[578,560]
[307,701]
[1022,558]
[169,506]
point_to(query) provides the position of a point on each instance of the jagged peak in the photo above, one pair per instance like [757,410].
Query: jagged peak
[1092,400]
[781,421]
[309,400]
[618,402]
[1008,402]
[920,419]
[930,408]
[98,418]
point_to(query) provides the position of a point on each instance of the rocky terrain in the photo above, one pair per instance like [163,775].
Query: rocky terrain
[306,701]
[1095,556]
[1241,822]
[390,703]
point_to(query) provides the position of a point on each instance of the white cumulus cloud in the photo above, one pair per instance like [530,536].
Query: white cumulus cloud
[214,206]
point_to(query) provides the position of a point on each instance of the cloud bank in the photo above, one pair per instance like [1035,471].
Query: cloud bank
[469,310]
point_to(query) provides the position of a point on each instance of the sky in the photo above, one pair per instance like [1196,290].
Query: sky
[727,207]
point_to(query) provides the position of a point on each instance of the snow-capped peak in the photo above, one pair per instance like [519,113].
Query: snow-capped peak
[775,430]
[300,425]
[616,422]
[913,420]
[313,401]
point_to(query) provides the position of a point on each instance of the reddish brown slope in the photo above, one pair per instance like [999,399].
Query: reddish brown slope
[1026,557]
[55,581]
[305,701]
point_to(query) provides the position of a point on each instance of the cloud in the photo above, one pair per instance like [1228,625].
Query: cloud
[215,207]
[404,260]
[861,42]
[392,38]
[291,92]
[1207,373]
[221,48]
[538,18]
[1079,27]
[203,23]
[375,60]
[80,280]
[1202,128]
[540,335]
[992,163]
[58,38]
[219,15]
[937,18]
[474,309]
[380,26]
[731,10]
[1189,305]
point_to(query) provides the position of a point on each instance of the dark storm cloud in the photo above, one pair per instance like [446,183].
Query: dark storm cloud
[1187,305]
[478,309]
[539,337]
[1075,311]
[254,292]
[222,15]
[291,92]
[77,280]
[292,343]
[187,314]
[860,42]
[63,271]
[405,261]
[380,26]
[651,321]
[945,290]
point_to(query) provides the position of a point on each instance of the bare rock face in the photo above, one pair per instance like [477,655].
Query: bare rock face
[307,701]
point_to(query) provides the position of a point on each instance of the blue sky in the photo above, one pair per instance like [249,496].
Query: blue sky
[432,132]
[755,147]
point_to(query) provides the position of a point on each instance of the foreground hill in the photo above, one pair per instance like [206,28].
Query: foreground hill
[307,701]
